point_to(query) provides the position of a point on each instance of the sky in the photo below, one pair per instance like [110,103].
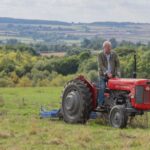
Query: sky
[78,10]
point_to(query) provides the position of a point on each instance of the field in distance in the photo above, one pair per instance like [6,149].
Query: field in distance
[52,32]
[58,54]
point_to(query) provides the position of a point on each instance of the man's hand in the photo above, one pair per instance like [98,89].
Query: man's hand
[109,75]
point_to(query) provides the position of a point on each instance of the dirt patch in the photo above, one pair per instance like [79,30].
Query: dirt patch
[124,135]
[57,141]
[5,135]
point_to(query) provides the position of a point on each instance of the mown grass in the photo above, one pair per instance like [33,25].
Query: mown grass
[22,129]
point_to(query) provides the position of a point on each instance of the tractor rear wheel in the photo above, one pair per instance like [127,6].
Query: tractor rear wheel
[76,102]
[118,117]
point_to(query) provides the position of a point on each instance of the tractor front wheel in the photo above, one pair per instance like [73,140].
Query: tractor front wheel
[118,117]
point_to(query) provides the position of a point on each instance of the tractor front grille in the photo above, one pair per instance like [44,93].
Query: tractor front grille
[146,97]
[139,94]
[142,96]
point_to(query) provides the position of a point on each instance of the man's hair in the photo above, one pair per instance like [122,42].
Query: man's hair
[106,43]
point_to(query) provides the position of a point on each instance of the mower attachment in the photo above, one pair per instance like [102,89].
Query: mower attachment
[56,113]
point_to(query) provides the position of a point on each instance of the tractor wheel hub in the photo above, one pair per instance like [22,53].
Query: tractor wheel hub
[71,102]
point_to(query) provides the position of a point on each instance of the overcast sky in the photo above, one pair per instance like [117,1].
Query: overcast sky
[78,10]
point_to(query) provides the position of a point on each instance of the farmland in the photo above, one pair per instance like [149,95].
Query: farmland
[59,54]
[52,32]
[22,129]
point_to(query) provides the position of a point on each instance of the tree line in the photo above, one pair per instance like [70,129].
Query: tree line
[20,65]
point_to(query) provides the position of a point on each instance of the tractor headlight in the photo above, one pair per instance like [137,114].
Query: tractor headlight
[132,96]
[147,88]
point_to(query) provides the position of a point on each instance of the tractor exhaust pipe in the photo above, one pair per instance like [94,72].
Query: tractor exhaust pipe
[135,67]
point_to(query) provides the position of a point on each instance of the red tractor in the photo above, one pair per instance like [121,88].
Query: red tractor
[123,98]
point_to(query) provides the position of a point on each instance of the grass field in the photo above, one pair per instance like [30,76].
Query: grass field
[21,128]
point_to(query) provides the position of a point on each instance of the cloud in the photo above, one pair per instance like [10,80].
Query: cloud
[78,10]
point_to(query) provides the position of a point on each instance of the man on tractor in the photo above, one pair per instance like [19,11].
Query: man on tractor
[108,67]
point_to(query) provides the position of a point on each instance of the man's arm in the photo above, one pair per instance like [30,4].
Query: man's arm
[101,67]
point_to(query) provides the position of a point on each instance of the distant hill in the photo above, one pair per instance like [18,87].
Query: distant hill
[53,22]
[28,21]
[121,24]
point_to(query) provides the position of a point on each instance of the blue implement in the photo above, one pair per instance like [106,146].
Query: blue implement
[49,114]
[56,113]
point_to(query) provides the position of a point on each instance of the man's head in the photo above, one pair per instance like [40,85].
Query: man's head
[107,47]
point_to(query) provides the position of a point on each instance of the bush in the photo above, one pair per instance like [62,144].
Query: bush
[39,75]
[42,83]
[88,65]
[20,72]
[85,55]
[40,65]
[6,82]
[52,75]
[67,65]
[61,80]
[93,76]
[14,77]
[25,82]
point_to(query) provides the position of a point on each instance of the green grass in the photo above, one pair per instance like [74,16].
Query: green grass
[22,39]
[22,129]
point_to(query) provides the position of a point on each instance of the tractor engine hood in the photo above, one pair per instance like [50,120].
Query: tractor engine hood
[126,84]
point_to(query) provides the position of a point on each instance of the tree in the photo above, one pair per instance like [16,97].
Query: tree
[113,42]
[84,55]
[86,43]
[93,76]
[88,65]
[67,65]
[12,42]
[144,64]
